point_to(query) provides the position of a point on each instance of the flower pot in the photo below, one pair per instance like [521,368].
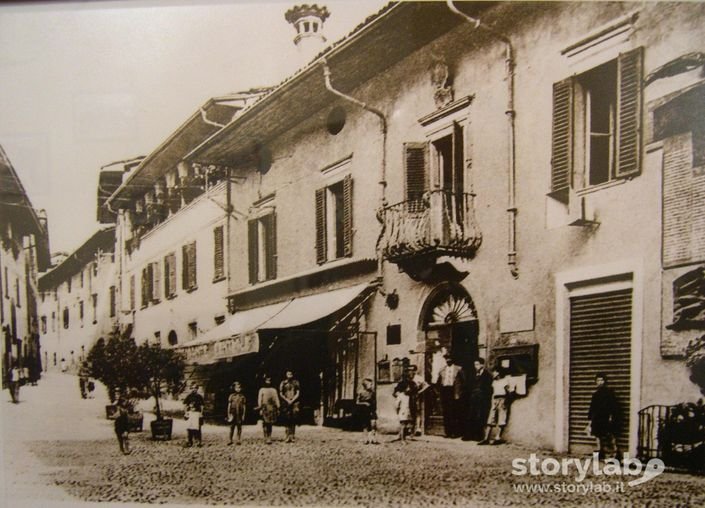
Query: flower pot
[161,429]
[111,411]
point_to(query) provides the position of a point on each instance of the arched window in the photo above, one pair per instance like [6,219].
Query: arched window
[173,339]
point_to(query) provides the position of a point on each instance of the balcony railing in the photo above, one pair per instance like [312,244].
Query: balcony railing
[439,223]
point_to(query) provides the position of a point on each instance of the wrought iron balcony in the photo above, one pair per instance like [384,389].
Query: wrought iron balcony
[439,223]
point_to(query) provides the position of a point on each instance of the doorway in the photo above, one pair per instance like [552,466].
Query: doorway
[451,327]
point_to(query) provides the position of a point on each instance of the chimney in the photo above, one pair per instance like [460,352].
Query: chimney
[308,21]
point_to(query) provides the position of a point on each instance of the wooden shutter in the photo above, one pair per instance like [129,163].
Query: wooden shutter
[112,302]
[629,107]
[321,229]
[170,275]
[348,216]
[270,230]
[132,292]
[193,282]
[252,249]
[144,287]
[149,288]
[184,267]
[156,281]
[415,173]
[562,139]
[600,341]
[218,262]
[458,159]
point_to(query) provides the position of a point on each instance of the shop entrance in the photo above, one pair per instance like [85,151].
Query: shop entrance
[450,327]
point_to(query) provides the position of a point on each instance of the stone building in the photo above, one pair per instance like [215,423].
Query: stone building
[24,251]
[516,181]
[78,303]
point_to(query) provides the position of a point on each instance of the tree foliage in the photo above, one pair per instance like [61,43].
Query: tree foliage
[148,370]
[695,359]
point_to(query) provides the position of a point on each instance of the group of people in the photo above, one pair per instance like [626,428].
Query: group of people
[272,405]
[18,376]
[472,405]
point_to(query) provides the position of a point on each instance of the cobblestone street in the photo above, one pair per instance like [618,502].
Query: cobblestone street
[67,452]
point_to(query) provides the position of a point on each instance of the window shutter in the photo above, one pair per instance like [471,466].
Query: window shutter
[321,233]
[132,292]
[629,105]
[270,222]
[156,281]
[218,264]
[252,248]
[149,284]
[562,139]
[144,287]
[348,216]
[170,274]
[458,158]
[416,173]
[192,266]
[184,267]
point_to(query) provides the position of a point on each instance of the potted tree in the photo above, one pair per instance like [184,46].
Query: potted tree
[114,364]
[160,372]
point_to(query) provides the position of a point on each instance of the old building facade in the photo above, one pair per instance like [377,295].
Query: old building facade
[489,182]
[24,251]
[78,302]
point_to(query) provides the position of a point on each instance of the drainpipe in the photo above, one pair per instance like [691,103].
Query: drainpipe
[383,122]
[511,169]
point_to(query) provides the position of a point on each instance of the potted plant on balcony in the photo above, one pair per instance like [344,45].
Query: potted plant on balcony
[160,372]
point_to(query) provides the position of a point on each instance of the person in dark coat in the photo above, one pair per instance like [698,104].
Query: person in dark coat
[480,401]
[604,418]
[123,406]
[451,386]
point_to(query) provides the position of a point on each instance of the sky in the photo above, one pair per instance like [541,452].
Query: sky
[85,84]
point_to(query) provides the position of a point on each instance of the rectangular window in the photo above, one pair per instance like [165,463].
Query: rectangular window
[94,301]
[219,320]
[112,301]
[334,220]
[66,317]
[218,258]
[188,268]
[44,325]
[132,292]
[170,275]
[597,125]
[193,330]
[262,243]
[81,277]
[80,312]
[53,321]
[393,335]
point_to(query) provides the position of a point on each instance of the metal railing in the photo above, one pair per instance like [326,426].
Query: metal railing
[439,222]
[674,434]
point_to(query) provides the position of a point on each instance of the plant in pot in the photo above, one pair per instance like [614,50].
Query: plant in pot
[114,364]
[695,360]
[160,372]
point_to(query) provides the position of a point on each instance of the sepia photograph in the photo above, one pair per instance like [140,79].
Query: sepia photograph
[352,253]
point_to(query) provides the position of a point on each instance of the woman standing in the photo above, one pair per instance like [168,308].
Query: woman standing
[289,391]
[123,406]
[268,406]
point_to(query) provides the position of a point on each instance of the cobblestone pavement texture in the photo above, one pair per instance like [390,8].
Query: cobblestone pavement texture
[61,449]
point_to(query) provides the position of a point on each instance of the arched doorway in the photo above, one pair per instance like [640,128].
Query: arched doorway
[449,324]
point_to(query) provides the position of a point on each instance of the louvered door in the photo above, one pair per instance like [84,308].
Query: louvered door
[600,341]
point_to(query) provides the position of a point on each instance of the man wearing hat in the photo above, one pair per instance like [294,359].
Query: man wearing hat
[450,380]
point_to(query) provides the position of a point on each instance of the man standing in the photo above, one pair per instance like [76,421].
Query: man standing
[420,387]
[480,402]
[13,382]
[450,379]
[604,418]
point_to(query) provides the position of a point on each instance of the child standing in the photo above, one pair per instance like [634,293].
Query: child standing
[268,406]
[367,409]
[193,414]
[403,406]
[237,405]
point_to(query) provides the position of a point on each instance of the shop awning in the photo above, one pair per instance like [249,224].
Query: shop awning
[238,334]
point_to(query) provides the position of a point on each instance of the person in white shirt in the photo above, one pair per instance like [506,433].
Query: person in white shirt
[451,383]
[499,413]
